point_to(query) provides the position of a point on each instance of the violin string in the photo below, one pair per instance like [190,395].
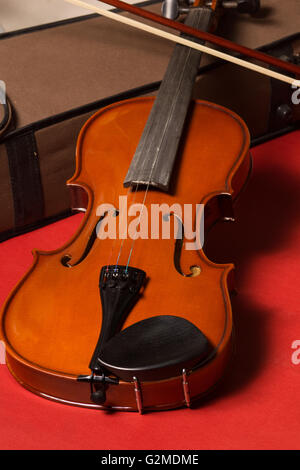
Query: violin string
[144,198]
[114,241]
[151,172]
[109,258]
[139,220]
[143,203]
[111,253]
[122,243]
[149,180]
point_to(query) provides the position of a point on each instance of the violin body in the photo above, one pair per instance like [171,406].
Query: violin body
[52,319]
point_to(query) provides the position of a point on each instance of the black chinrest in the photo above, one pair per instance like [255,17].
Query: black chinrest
[154,349]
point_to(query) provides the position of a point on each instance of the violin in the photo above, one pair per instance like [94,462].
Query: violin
[137,323]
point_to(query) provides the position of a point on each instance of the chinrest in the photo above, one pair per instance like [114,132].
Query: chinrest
[154,349]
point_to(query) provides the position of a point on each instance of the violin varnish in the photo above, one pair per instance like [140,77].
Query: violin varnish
[155,155]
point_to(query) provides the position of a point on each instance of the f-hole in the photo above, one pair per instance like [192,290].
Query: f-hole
[195,270]
[65,260]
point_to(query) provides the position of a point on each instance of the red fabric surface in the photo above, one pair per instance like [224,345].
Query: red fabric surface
[257,406]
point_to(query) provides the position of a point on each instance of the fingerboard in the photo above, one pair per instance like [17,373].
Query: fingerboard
[155,155]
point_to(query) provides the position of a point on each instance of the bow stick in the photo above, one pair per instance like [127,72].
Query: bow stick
[200,34]
[213,39]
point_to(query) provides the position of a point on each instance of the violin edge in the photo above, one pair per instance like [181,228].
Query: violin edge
[65,389]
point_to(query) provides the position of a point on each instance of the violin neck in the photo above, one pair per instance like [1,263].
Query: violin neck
[155,155]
